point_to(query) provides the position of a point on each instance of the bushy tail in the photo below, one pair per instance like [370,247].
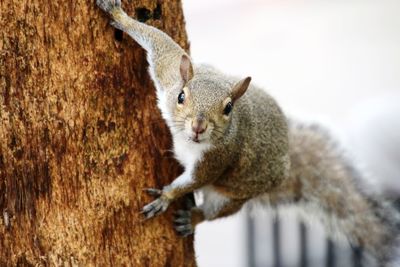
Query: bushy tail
[327,181]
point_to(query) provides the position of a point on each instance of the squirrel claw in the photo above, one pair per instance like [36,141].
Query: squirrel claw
[156,207]
[108,5]
[184,230]
[183,223]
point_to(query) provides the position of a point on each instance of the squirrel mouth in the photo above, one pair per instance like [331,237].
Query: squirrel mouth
[198,138]
[195,139]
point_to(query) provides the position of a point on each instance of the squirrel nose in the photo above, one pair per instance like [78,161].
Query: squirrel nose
[199,125]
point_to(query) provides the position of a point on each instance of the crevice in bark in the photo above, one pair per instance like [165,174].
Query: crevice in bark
[143,14]
[118,35]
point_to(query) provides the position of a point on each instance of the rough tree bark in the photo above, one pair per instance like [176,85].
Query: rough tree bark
[81,137]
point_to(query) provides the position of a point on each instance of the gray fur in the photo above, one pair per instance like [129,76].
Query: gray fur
[253,153]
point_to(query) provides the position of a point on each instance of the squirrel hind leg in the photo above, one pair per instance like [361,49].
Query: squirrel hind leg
[183,222]
[118,25]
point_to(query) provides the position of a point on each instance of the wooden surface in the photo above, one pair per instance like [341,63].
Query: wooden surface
[81,137]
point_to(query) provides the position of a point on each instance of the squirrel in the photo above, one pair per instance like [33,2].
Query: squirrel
[237,147]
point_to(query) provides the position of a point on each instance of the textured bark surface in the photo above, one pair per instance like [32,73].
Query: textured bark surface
[81,137]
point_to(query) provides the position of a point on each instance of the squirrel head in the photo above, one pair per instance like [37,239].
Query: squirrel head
[202,110]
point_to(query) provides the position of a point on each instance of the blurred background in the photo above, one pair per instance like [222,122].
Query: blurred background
[334,62]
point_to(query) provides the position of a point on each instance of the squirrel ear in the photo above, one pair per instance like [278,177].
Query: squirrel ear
[186,69]
[240,88]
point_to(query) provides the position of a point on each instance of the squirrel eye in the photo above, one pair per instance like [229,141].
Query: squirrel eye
[181,97]
[228,108]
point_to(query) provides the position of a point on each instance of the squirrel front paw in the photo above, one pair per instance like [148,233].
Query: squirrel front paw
[108,5]
[156,207]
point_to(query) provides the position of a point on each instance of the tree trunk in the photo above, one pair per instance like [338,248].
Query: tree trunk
[81,137]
